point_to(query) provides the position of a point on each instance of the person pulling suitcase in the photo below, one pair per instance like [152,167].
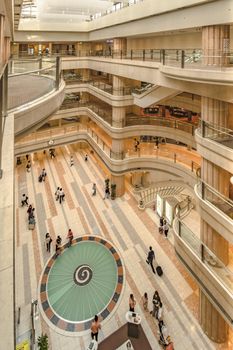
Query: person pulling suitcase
[150,258]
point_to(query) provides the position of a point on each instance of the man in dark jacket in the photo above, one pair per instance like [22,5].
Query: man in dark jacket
[150,258]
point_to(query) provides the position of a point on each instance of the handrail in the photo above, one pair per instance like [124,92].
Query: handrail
[182,58]
[211,261]
[218,200]
[32,71]
[148,195]
[49,64]
[55,132]
[216,133]
[51,75]
[171,122]
[102,86]
[132,119]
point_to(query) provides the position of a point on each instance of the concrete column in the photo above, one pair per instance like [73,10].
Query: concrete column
[216,45]
[120,44]
[86,74]
[118,117]
[50,48]
[230,116]
[214,112]
[2,23]
[120,184]
[118,85]
[137,179]
[15,49]
[119,47]
[212,323]
[118,148]
[145,181]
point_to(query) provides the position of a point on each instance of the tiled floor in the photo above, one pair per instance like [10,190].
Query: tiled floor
[130,230]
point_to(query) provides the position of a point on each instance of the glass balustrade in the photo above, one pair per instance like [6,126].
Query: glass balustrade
[197,59]
[131,119]
[67,130]
[189,58]
[170,123]
[18,66]
[211,261]
[31,79]
[99,85]
[219,201]
[217,133]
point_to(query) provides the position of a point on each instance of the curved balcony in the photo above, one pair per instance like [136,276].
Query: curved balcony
[182,66]
[214,278]
[217,209]
[214,66]
[189,59]
[215,144]
[165,127]
[176,164]
[103,91]
[34,93]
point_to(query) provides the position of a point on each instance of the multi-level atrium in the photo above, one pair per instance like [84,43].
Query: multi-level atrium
[134,96]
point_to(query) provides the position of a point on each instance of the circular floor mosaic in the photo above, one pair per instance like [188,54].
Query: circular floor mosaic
[85,280]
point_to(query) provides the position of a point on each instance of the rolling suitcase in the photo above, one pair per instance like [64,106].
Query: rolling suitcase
[159,270]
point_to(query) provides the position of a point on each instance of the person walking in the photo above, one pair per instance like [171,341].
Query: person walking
[43,174]
[29,210]
[86,158]
[57,193]
[71,161]
[145,301]
[151,258]
[48,241]
[31,214]
[95,326]
[58,246]
[106,192]
[94,189]
[165,228]
[70,237]
[132,303]
[52,153]
[61,195]
[28,166]
[157,142]
[159,313]
[155,302]
[161,221]
[24,200]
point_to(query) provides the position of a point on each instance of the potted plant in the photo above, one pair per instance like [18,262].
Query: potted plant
[42,342]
